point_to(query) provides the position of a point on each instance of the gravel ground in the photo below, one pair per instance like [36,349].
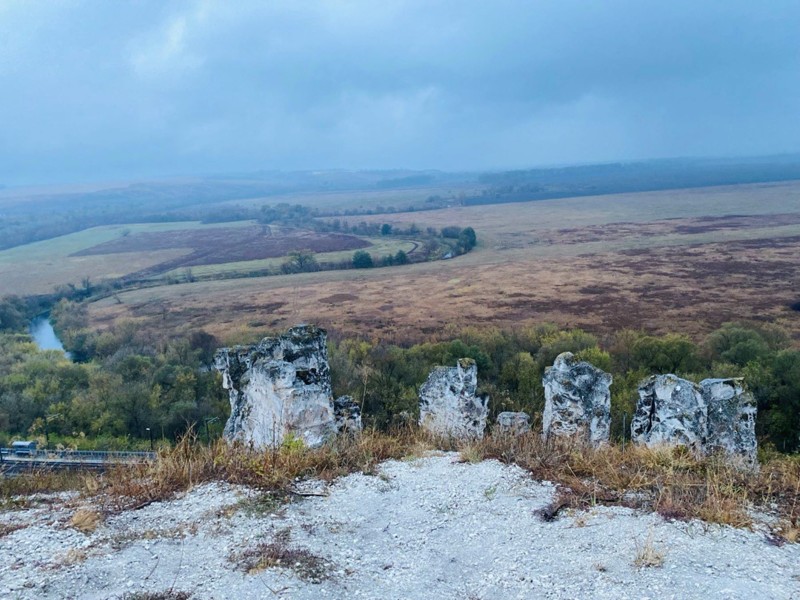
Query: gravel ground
[425,528]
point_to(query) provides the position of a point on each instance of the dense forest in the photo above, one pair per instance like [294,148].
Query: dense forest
[129,379]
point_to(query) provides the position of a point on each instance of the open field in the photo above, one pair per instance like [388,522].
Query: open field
[671,261]
[37,268]
[377,247]
[158,250]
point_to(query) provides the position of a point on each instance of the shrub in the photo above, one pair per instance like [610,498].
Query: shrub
[362,259]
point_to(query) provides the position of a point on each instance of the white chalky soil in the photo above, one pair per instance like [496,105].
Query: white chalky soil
[427,528]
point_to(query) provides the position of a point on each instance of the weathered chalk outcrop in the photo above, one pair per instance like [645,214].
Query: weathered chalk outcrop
[278,387]
[512,423]
[670,411]
[577,401]
[347,414]
[731,419]
[449,404]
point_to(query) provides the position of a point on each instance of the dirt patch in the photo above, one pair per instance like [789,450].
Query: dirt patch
[338,298]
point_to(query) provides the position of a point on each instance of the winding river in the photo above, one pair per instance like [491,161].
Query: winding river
[44,335]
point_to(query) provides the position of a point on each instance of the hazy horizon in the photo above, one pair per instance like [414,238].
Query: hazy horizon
[97,91]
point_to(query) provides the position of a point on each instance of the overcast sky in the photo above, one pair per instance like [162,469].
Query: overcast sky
[98,90]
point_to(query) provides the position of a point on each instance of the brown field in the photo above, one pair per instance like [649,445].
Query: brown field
[686,261]
[148,250]
[225,245]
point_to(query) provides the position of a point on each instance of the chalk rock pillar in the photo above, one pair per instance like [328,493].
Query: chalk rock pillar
[280,386]
[449,404]
[577,401]
[670,411]
[731,419]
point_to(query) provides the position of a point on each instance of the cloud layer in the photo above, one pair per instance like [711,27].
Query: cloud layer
[101,90]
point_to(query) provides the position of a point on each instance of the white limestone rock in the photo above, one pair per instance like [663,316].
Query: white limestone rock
[670,411]
[278,387]
[512,423]
[577,401]
[347,414]
[449,404]
[731,420]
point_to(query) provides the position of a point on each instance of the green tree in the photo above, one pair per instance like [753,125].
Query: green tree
[386,229]
[300,261]
[468,238]
[401,258]
[362,259]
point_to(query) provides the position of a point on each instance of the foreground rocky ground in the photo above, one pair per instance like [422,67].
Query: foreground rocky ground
[430,527]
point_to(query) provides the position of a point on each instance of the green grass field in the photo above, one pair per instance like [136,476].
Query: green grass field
[379,247]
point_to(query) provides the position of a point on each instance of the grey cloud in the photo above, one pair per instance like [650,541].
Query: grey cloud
[98,90]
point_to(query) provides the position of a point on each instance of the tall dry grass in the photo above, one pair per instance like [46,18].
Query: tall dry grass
[190,463]
[670,481]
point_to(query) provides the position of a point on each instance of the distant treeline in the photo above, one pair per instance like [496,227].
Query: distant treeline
[614,178]
[49,215]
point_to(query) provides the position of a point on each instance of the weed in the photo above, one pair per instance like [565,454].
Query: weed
[490,492]
[189,463]
[647,554]
[6,528]
[40,481]
[264,504]
[73,556]
[471,454]
[85,520]
[278,554]
[672,482]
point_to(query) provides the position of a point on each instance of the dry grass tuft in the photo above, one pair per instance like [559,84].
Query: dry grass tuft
[278,554]
[647,554]
[189,463]
[167,595]
[39,481]
[85,520]
[670,481]
[6,528]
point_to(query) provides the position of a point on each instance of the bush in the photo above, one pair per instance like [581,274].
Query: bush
[362,259]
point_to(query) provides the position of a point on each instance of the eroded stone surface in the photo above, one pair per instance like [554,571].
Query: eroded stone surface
[449,404]
[577,401]
[513,423]
[731,419]
[347,413]
[670,411]
[278,387]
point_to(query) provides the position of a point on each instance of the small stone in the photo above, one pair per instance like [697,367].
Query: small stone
[512,423]
[347,415]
